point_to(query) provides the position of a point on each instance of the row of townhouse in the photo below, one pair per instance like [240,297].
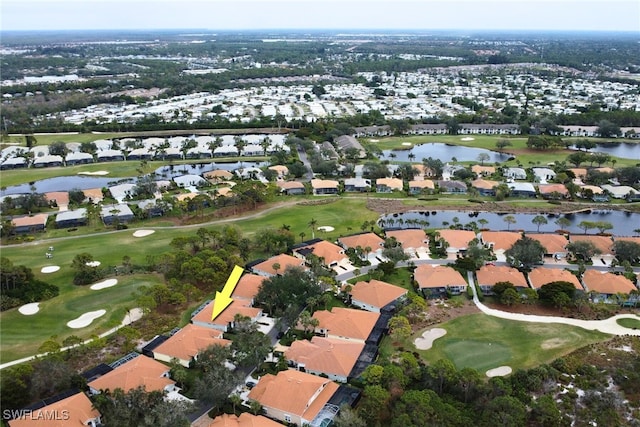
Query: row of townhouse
[439,129]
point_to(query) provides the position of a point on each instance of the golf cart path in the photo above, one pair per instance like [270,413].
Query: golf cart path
[608,326]
[131,316]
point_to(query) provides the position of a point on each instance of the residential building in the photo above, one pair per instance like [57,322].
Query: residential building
[604,244]
[375,295]
[553,191]
[324,186]
[421,187]
[74,218]
[489,275]
[47,161]
[438,280]
[363,241]
[346,323]
[414,241]
[522,189]
[112,213]
[282,262]
[225,320]
[141,371]
[292,396]
[29,224]
[451,187]
[74,411]
[485,187]
[334,358]
[499,241]
[344,142]
[387,185]
[331,254]
[543,175]
[541,276]
[359,185]
[291,188]
[58,198]
[604,285]
[187,343]
[515,173]
[458,240]
[244,420]
[554,244]
[483,171]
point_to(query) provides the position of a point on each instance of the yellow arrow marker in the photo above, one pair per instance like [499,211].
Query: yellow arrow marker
[223,299]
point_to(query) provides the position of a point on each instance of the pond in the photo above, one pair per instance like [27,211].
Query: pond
[623,222]
[83,182]
[444,152]
[167,172]
[65,183]
[625,150]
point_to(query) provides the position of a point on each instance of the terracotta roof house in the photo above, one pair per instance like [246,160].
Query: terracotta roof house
[634,239]
[437,280]
[363,240]
[332,254]
[423,171]
[489,275]
[185,344]
[29,224]
[324,186]
[499,241]
[346,323]
[421,186]
[73,411]
[334,358]
[604,243]
[458,240]
[292,396]
[541,276]
[480,170]
[244,420]
[555,244]
[265,268]
[281,170]
[60,198]
[291,188]
[248,287]
[374,295]
[93,195]
[485,187]
[606,284]
[414,241]
[580,173]
[387,185]
[225,320]
[553,191]
[140,371]
[218,175]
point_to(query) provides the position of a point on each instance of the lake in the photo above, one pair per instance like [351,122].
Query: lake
[623,150]
[623,222]
[443,152]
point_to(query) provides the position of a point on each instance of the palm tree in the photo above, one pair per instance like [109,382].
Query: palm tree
[539,220]
[265,144]
[302,234]
[240,144]
[509,219]
[312,223]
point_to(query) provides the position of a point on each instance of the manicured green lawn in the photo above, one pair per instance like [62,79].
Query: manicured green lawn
[483,342]
[629,323]
[22,335]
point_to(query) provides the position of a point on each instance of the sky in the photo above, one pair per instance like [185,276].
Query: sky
[548,15]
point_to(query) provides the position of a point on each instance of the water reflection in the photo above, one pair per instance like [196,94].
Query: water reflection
[443,152]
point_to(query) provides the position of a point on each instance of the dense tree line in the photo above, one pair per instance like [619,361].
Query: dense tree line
[18,286]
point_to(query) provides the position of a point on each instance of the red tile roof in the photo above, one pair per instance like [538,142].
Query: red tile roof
[437,276]
[238,306]
[411,238]
[457,239]
[553,243]
[376,293]
[489,275]
[191,340]
[285,262]
[347,322]
[363,240]
[541,276]
[607,283]
[244,420]
[500,240]
[326,355]
[248,286]
[73,411]
[141,371]
[604,243]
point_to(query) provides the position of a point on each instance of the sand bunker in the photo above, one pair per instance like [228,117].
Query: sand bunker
[467,138]
[374,140]
[94,173]
[29,309]
[325,228]
[50,269]
[142,233]
[406,143]
[85,319]
[425,342]
[104,284]
[500,371]
[93,263]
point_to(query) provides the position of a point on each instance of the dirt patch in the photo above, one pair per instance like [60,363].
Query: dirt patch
[441,311]
[552,343]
